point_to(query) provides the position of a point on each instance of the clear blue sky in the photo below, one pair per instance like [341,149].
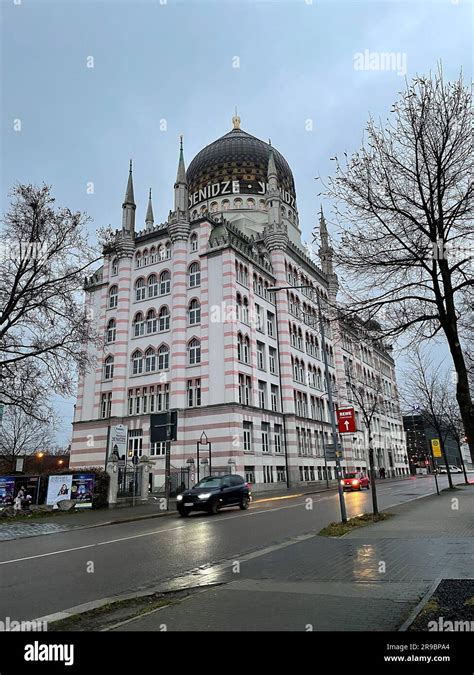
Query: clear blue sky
[174,62]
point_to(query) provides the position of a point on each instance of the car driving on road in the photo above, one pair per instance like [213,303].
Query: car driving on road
[214,493]
[355,481]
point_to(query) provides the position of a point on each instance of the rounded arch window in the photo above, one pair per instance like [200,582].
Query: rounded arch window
[225,204]
[250,203]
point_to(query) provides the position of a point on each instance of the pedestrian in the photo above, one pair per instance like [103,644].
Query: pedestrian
[18,501]
[380,472]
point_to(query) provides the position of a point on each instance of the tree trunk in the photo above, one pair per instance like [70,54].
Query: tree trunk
[463,394]
[375,507]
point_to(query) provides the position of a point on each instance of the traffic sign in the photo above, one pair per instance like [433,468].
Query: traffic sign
[163,426]
[346,420]
[333,453]
[436,447]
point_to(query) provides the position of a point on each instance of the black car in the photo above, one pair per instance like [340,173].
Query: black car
[214,493]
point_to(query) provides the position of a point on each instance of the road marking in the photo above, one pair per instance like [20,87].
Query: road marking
[143,534]
[180,527]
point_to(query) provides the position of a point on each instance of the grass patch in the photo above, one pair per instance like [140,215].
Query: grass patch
[115,612]
[36,515]
[339,529]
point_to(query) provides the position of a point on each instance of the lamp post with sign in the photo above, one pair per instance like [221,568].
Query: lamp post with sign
[435,451]
[164,429]
[203,441]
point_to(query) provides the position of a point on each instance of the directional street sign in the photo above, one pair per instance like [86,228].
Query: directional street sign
[346,420]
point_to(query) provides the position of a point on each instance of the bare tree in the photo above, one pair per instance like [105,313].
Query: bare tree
[404,204]
[454,423]
[429,388]
[43,327]
[23,435]
[369,400]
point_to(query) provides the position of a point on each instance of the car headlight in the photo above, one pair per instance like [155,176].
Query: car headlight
[355,482]
[179,498]
[342,482]
[205,495]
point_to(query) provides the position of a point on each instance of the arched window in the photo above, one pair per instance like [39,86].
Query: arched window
[140,289]
[163,357]
[237,203]
[165,282]
[150,360]
[113,296]
[262,205]
[161,252]
[168,250]
[194,312]
[164,317]
[137,362]
[153,255]
[214,207]
[195,215]
[245,310]
[151,321]
[194,352]
[111,331]
[145,259]
[109,368]
[114,267]
[152,286]
[194,275]
[193,243]
[225,204]
[138,259]
[250,203]
[138,325]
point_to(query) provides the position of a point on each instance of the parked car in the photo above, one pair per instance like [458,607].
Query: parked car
[355,481]
[213,493]
[452,467]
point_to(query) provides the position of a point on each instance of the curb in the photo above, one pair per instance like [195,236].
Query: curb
[419,607]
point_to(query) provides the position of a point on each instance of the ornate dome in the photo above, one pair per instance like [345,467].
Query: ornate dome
[237,156]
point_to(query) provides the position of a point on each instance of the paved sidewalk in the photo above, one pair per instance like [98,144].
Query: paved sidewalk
[51,524]
[369,580]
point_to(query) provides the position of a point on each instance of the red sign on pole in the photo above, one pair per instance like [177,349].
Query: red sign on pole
[346,420]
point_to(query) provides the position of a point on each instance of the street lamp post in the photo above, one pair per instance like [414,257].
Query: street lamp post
[204,441]
[329,390]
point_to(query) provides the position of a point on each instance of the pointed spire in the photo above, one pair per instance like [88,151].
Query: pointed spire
[149,219]
[181,185]
[129,196]
[271,171]
[181,175]
[128,206]
[323,232]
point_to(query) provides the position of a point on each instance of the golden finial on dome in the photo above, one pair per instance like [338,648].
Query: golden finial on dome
[236,120]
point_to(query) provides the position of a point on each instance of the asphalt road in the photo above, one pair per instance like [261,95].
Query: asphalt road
[47,574]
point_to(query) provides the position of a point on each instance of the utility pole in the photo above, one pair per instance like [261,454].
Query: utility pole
[332,416]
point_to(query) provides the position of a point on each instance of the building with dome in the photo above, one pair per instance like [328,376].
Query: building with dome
[189,323]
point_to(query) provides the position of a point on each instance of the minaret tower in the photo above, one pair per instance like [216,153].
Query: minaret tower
[273,199]
[129,207]
[326,254]
[149,219]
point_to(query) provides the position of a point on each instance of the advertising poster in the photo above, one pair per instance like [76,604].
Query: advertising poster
[7,490]
[118,440]
[59,488]
[82,490]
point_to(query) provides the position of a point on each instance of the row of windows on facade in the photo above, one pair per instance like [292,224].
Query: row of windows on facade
[244,354]
[370,379]
[310,375]
[297,278]
[153,322]
[238,203]
[260,285]
[311,343]
[156,398]
[155,285]
[261,394]
[243,315]
[151,360]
